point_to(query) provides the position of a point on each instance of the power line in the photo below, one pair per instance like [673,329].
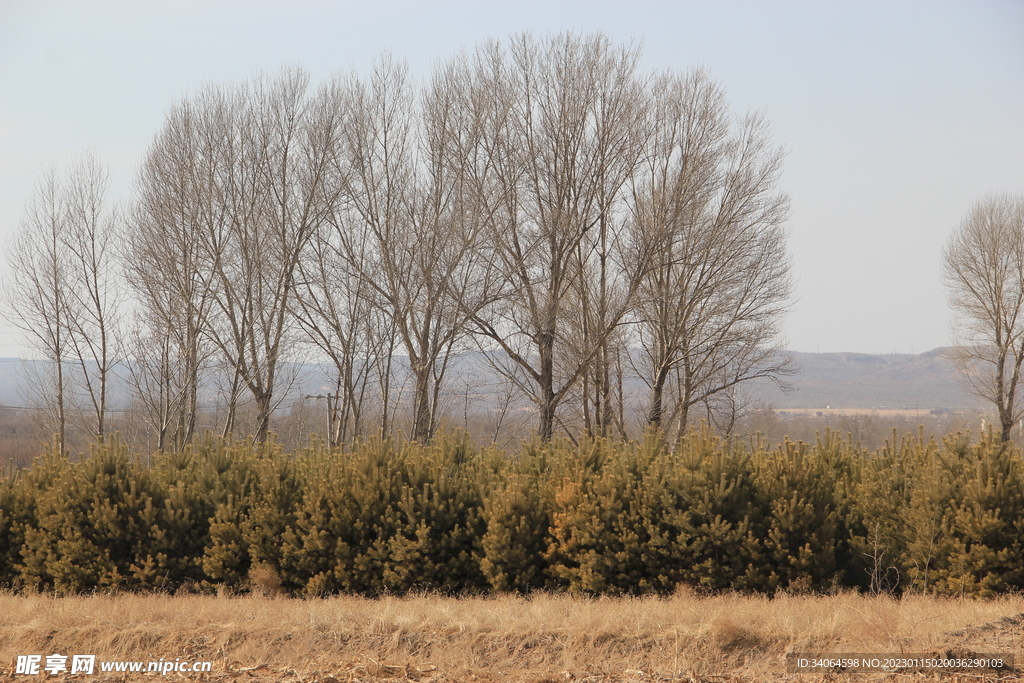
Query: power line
[109,410]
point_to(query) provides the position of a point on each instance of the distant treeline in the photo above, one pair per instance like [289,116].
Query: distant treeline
[603,517]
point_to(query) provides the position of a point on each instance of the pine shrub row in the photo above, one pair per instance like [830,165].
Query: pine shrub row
[599,518]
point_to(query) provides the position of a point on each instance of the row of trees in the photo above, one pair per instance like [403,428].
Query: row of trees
[543,202]
[601,518]
[63,292]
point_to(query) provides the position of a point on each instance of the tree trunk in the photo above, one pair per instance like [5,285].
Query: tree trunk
[546,427]
[263,407]
[657,410]
[421,426]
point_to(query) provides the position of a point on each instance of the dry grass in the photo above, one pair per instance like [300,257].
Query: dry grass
[546,638]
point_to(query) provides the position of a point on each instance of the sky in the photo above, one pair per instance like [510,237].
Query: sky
[896,116]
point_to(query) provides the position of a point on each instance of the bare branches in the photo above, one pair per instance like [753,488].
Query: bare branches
[235,186]
[542,197]
[562,139]
[409,224]
[35,297]
[64,292]
[708,214]
[95,299]
[983,271]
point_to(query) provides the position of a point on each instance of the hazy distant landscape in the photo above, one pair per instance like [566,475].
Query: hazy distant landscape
[861,380]
[839,380]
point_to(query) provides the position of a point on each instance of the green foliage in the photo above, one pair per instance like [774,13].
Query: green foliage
[602,517]
[804,526]
[942,519]
[980,490]
[610,529]
[238,487]
[718,545]
[15,507]
[881,491]
[387,517]
[97,524]
[200,481]
[517,516]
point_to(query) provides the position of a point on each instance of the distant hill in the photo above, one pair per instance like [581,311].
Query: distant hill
[10,381]
[861,380]
[841,380]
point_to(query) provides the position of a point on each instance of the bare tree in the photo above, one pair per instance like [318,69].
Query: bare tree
[276,191]
[602,294]
[562,139]
[35,296]
[153,379]
[65,294]
[335,307]
[541,195]
[407,200]
[983,271]
[707,208]
[95,296]
[234,188]
[171,273]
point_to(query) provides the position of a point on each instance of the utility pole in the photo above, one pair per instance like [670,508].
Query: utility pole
[332,418]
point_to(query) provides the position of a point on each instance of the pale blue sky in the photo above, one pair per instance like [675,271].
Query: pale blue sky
[896,115]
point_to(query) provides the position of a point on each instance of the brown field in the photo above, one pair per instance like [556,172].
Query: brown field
[828,411]
[545,638]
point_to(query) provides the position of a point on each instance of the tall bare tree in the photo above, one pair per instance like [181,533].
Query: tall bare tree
[610,270]
[65,294]
[276,191]
[153,379]
[408,199]
[335,306]
[95,297]
[983,271]
[541,194]
[35,295]
[171,272]
[236,185]
[562,137]
[707,206]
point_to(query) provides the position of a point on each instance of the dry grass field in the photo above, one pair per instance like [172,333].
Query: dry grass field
[544,638]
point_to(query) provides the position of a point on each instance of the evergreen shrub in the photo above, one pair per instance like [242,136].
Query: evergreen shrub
[601,517]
